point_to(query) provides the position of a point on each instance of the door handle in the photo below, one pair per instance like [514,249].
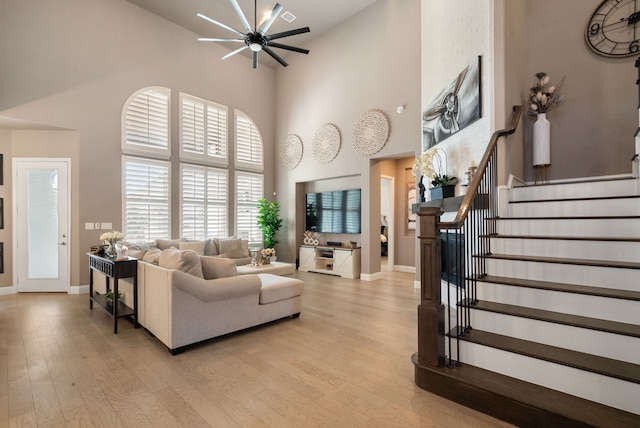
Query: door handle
[62,243]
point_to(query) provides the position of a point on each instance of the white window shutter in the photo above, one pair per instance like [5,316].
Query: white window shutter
[204,202]
[248,142]
[146,122]
[203,130]
[147,211]
[249,189]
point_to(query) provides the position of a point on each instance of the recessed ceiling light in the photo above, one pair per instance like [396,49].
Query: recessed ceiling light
[288,16]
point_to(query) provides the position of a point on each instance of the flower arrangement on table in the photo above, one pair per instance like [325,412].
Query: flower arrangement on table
[111,238]
[267,253]
[543,97]
[430,164]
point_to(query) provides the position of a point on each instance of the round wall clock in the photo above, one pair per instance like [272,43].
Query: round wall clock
[613,30]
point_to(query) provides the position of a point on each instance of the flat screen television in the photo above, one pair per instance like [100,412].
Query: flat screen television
[334,212]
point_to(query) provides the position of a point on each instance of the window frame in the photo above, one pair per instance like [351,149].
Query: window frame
[141,149]
[253,205]
[242,163]
[203,157]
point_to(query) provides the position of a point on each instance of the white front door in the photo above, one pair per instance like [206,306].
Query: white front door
[41,224]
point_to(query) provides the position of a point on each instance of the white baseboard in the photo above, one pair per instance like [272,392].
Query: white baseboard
[407,269]
[371,276]
[81,289]
[5,291]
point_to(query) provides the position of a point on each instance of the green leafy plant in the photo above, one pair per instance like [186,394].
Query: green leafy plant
[109,296]
[269,221]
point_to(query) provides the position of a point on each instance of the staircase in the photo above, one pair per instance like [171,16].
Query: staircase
[556,320]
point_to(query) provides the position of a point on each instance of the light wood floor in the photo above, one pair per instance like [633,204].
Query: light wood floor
[344,363]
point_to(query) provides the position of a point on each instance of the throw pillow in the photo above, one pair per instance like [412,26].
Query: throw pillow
[165,244]
[210,248]
[152,256]
[217,267]
[187,261]
[197,246]
[232,248]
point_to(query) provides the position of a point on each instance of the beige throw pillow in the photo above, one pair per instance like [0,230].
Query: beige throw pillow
[152,256]
[165,244]
[232,248]
[187,261]
[218,267]
[197,246]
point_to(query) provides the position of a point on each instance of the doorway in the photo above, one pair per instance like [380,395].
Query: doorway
[41,224]
[387,208]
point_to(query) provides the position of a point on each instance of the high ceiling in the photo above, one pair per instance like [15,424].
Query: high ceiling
[318,15]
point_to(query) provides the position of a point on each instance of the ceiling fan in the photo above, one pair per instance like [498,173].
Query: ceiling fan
[255,39]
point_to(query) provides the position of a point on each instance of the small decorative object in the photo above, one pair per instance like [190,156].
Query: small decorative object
[311,238]
[122,251]
[111,238]
[432,164]
[269,221]
[291,151]
[326,143]
[108,297]
[542,97]
[267,254]
[370,133]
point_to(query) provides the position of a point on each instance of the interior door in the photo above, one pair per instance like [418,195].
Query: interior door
[41,225]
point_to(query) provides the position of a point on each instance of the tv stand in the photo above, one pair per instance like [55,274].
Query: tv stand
[340,261]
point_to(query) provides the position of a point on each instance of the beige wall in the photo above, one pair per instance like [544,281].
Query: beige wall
[72,64]
[371,61]
[592,130]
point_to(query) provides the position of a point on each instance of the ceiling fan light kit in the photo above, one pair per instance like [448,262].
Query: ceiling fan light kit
[255,39]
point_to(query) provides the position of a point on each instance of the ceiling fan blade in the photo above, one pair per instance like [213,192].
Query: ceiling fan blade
[220,24]
[274,14]
[287,33]
[207,39]
[255,59]
[240,14]
[230,54]
[274,56]
[289,48]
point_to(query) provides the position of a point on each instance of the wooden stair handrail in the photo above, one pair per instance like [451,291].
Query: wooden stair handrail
[472,191]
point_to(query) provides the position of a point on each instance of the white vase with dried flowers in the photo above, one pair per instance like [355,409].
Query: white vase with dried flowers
[542,97]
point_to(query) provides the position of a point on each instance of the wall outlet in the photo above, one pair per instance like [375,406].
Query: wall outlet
[97,226]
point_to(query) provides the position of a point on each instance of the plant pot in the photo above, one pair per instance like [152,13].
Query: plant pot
[441,192]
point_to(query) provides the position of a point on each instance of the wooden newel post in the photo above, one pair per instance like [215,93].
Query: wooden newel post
[431,310]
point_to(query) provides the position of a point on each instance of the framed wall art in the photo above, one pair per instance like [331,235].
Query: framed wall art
[457,106]
[411,199]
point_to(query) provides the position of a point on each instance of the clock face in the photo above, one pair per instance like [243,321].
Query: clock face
[614,29]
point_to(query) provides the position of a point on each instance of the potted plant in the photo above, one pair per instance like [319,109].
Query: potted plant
[108,297]
[269,221]
[430,164]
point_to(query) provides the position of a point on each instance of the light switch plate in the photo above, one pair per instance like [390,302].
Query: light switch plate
[106,226]
[88,226]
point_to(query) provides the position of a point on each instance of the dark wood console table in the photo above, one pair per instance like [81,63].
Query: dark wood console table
[116,269]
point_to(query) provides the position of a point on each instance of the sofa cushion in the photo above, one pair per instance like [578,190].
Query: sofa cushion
[187,261]
[152,256]
[165,244]
[218,267]
[233,248]
[210,248]
[197,246]
[276,288]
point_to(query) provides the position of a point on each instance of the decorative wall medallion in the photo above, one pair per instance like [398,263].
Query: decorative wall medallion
[370,133]
[326,143]
[290,151]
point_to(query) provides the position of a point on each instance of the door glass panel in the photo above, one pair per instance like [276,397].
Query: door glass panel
[42,213]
